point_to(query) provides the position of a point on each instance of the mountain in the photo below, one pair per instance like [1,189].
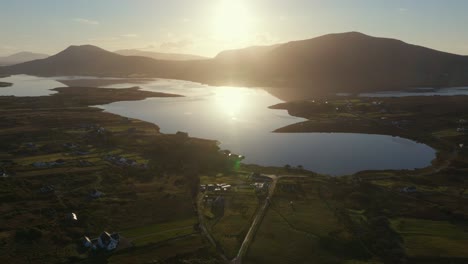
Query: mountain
[21,57]
[354,62]
[88,60]
[346,62]
[253,53]
[159,55]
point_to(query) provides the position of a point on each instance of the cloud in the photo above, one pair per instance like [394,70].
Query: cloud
[129,35]
[170,45]
[86,21]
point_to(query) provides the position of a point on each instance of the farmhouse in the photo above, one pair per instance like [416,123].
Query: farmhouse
[95,194]
[107,241]
[409,189]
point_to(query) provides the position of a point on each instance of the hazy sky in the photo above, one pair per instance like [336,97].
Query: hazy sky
[206,27]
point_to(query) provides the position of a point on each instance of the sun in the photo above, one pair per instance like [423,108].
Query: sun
[233,20]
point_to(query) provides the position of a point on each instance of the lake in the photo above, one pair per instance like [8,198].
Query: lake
[239,118]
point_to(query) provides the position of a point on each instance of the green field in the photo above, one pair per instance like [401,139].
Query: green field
[427,238]
[308,231]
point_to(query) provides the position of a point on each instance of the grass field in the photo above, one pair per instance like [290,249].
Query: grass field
[306,231]
[160,231]
[426,238]
[240,205]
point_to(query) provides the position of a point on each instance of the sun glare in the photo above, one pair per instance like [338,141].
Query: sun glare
[230,101]
[233,20]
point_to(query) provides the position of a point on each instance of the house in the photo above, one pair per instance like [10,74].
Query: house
[40,164]
[87,242]
[202,187]
[107,241]
[96,194]
[261,186]
[70,145]
[409,189]
[31,145]
[47,189]
[226,187]
[72,217]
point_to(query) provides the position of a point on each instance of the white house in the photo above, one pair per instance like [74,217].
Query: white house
[87,242]
[108,241]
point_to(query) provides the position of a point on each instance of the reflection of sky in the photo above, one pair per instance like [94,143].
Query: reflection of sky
[25,85]
[240,119]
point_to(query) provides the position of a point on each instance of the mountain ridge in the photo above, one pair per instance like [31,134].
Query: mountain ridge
[342,62]
[20,57]
[159,55]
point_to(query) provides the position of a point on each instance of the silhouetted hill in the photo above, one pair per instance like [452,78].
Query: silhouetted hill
[353,62]
[159,55]
[21,57]
[254,53]
[347,62]
[93,61]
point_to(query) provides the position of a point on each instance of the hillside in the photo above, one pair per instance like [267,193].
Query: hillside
[354,62]
[347,62]
[159,55]
[21,57]
[93,61]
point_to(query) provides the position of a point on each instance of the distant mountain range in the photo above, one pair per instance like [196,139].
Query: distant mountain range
[159,55]
[21,57]
[346,62]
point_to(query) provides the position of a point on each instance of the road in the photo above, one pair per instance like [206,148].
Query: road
[259,217]
[253,227]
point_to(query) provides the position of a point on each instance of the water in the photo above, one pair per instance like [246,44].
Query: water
[25,85]
[240,119]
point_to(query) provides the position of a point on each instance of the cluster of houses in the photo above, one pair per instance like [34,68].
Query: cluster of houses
[232,156]
[260,186]
[105,241]
[215,187]
[122,161]
[461,126]
[94,128]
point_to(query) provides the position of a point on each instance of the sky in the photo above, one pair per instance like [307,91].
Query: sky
[206,27]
